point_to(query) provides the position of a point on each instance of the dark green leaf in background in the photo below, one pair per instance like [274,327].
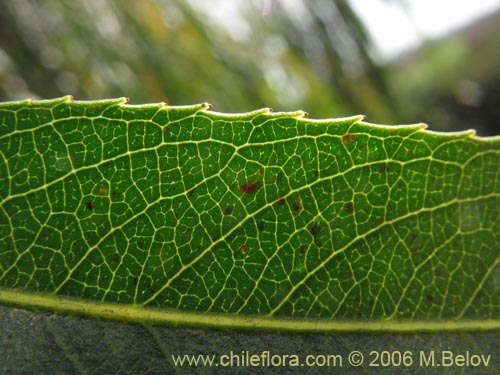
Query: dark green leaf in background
[252,214]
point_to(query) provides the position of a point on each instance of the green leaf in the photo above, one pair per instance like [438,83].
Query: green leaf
[162,214]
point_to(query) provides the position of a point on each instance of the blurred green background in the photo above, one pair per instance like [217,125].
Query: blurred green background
[241,55]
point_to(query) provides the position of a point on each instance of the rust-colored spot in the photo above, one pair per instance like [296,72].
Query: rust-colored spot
[281,200]
[243,249]
[347,138]
[229,210]
[102,191]
[249,187]
[297,207]
[89,205]
[260,171]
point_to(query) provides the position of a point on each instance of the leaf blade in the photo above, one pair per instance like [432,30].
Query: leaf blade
[260,213]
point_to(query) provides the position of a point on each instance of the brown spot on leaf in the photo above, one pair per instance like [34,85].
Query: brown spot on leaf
[229,210]
[281,201]
[347,138]
[249,187]
[315,229]
[89,205]
[280,177]
[243,249]
[383,168]
[297,207]
[349,207]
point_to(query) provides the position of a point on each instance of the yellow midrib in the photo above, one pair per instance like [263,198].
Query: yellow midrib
[134,314]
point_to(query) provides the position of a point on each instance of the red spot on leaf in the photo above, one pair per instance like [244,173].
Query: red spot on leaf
[243,249]
[249,187]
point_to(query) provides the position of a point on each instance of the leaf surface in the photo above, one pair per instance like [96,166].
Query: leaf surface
[256,214]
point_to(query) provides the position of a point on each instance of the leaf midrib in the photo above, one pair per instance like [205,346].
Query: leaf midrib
[152,316]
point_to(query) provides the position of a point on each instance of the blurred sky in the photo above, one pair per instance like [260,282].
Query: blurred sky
[395,28]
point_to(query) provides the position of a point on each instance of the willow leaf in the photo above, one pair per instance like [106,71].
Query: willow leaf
[184,215]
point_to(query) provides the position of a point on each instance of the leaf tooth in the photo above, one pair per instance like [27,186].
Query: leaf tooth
[420,126]
[122,100]
[292,114]
[471,133]
[62,99]
[68,98]
[205,106]
[112,101]
[356,119]
[465,134]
